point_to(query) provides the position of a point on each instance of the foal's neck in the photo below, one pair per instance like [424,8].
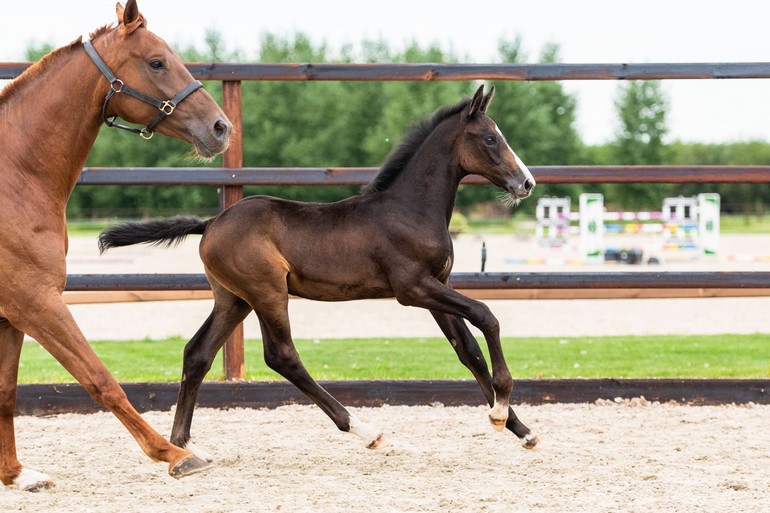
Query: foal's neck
[429,182]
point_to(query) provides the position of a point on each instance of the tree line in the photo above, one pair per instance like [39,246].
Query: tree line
[340,124]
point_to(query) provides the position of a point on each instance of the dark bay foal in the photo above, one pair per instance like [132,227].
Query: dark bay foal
[389,241]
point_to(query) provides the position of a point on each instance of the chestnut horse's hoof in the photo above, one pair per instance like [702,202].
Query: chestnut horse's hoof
[530,442]
[189,466]
[33,481]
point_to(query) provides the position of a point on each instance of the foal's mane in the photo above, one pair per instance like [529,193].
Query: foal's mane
[42,65]
[400,157]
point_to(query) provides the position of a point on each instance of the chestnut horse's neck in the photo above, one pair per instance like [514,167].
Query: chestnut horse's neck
[49,120]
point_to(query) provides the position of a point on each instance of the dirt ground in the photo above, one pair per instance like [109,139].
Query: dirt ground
[626,457]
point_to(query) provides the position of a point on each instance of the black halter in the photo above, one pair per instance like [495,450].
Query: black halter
[166,107]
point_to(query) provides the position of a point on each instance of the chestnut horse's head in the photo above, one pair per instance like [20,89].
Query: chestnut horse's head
[149,85]
[484,150]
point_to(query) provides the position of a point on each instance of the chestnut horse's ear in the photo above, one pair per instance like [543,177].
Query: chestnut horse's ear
[477,103]
[487,99]
[129,17]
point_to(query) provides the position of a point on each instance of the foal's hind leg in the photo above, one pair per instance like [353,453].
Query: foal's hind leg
[469,352]
[229,311]
[282,357]
[11,471]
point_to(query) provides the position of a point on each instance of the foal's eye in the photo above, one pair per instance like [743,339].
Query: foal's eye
[156,64]
[490,140]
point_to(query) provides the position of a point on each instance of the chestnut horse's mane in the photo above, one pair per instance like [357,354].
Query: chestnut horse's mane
[43,64]
[401,156]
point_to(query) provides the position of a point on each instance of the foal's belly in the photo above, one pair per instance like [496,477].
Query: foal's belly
[324,289]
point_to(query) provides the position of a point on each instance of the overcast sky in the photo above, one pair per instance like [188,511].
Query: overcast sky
[587,31]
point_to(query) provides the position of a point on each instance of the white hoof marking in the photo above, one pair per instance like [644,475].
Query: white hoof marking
[372,437]
[201,453]
[498,415]
[32,481]
[530,441]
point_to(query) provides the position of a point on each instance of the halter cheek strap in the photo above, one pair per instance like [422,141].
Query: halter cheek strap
[166,107]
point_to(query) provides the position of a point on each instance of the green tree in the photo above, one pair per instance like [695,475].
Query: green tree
[641,107]
[736,197]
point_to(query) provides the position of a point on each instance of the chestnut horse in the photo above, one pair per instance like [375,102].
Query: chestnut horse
[389,241]
[49,119]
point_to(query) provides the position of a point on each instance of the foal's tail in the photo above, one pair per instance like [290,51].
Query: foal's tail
[163,232]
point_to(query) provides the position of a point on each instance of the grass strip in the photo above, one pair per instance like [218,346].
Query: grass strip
[712,356]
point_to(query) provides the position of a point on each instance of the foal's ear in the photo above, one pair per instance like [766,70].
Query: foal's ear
[478,103]
[487,99]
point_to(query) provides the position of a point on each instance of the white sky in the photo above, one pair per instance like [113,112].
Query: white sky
[587,31]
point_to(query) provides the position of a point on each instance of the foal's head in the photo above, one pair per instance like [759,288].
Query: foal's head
[144,62]
[484,151]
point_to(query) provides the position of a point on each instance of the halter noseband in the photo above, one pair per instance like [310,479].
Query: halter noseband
[166,107]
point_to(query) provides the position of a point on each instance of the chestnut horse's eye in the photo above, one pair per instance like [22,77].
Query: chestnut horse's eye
[157,64]
[490,140]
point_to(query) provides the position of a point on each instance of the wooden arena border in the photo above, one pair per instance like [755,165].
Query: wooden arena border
[72,398]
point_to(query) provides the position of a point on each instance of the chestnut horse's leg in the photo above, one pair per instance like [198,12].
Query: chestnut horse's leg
[229,310]
[48,320]
[469,352]
[11,471]
[282,357]
[433,295]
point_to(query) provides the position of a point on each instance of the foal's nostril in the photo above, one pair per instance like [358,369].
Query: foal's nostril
[222,129]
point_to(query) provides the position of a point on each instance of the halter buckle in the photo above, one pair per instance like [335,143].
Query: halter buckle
[117,85]
[167,107]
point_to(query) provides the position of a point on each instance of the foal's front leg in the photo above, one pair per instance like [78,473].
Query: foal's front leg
[467,348]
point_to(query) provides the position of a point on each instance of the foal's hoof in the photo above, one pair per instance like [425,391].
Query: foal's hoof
[189,466]
[378,442]
[530,442]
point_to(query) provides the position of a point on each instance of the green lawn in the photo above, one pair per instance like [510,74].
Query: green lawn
[718,356]
[749,225]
